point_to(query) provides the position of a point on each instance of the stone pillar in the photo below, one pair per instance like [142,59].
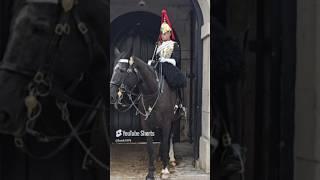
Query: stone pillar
[307,95]
[204,149]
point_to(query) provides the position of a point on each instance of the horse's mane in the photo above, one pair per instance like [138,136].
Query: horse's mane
[150,68]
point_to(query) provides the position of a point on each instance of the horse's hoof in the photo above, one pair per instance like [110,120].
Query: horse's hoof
[165,173]
[164,176]
[150,176]
[173,163]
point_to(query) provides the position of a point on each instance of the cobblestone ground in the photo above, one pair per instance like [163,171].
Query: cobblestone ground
[130,161]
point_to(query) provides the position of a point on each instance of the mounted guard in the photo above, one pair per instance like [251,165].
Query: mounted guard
[167,59]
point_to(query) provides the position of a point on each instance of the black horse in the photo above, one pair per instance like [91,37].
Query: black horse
[135,80]
[53,77]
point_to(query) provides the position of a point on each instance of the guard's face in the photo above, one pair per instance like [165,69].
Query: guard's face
[165,36]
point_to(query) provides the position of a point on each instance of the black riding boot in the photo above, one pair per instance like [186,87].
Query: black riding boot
[179,104]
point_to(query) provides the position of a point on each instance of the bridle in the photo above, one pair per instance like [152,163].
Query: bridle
[42,85]
[140,97]
[124,89]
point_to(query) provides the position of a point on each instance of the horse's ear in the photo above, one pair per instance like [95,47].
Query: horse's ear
[131,61]
[117,52]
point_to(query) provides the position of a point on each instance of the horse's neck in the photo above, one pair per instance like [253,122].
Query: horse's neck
[149,84]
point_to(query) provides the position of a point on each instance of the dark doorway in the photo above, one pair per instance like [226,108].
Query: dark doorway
[263,103]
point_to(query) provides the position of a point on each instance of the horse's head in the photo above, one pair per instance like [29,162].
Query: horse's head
[124,80]
[53,41]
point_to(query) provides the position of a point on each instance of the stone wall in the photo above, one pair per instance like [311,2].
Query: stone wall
[307,109]
[204,150]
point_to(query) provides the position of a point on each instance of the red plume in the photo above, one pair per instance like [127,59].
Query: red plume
[164,17]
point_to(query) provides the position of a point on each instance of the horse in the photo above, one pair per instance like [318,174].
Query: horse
[53,78]
[135,80]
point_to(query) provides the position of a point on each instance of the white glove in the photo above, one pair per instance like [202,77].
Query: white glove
[150,62]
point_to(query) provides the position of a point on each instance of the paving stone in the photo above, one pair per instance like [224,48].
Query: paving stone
[130,161]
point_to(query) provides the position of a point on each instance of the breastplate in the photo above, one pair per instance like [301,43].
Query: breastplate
[165,49]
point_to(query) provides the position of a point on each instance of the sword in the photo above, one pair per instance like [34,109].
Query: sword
[154,52]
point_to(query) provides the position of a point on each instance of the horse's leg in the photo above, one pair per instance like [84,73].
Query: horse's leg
[173,133]
[171,152]
[159,155]
[150,148]
[165,149]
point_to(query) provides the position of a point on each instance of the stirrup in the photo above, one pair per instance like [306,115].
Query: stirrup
[183,112]
[182,107]
[176,107]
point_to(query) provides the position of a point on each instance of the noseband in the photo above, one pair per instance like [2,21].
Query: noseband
[41,84]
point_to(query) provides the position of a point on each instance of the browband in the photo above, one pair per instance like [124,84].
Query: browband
[123,61]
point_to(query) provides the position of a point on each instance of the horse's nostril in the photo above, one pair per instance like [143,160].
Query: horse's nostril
[4,117]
